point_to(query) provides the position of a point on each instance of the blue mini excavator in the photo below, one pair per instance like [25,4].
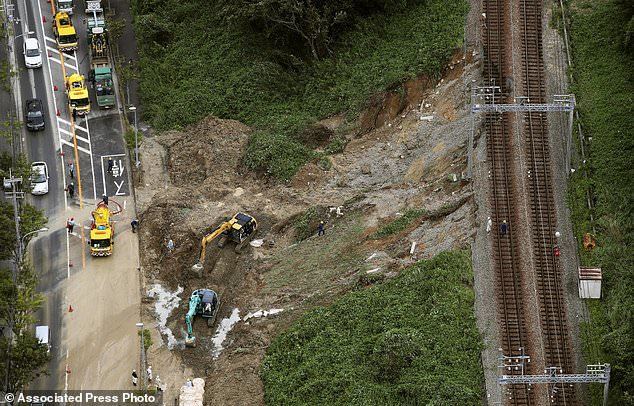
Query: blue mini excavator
[205,303]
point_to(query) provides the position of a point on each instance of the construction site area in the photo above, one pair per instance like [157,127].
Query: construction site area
[406,151]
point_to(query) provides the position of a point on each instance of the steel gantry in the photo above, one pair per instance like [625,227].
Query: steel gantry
[598,373]
[488,99]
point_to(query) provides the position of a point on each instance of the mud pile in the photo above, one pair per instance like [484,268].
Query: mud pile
[212,148]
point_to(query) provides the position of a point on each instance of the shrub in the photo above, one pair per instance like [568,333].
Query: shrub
[410,340]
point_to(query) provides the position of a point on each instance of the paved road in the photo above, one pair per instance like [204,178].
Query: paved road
[97,138]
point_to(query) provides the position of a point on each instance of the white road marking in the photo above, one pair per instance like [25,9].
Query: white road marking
[50,75]
[46,37]
[119,188]
[78,137]
[87,131]
[77,127]
[103,176]
[67,256]
[71,67]
[103,172]
[72,145]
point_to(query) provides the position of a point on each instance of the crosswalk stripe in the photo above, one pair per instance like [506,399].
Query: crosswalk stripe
[70,144]
[82,139]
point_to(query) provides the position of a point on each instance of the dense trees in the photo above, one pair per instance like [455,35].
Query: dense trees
[312,23]
[20,352]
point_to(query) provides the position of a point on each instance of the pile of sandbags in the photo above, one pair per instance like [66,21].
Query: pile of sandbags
[192,395]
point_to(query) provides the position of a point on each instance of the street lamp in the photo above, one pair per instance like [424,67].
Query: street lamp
[41,230]
[136,142]
[143,369]
[21,35]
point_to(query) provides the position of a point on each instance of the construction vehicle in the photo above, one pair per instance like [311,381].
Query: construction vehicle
[66,6]
[239,229]
[100,68]
[95,15]
[204,303]
[77,94]
[64,32]
[101,231]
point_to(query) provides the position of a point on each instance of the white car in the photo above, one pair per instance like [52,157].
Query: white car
[39,178]
[32,53]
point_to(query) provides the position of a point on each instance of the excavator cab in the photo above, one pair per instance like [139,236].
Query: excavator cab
[204,303]
[239,229]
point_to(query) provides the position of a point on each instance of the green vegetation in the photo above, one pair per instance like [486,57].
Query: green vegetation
[196,61]
[400,224]
[306,224]
[25,357]
[411,340]
[604,85]
[147,338]
[318,267]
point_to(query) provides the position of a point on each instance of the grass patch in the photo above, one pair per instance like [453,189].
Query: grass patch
[147,338]
[604,87]
[305,224]
[194,63]
[313,265]
[398,225]
[411,340]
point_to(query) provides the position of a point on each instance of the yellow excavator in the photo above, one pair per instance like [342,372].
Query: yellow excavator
[239,229]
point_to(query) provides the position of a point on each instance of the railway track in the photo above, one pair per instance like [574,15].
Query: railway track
[498,127]
[543,220]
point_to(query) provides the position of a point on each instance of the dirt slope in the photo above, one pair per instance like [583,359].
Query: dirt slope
[413,159]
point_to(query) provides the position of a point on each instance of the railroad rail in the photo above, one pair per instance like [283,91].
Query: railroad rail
[497,128]
[542,215]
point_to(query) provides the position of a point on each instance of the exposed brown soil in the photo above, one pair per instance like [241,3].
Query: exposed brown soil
[406,151]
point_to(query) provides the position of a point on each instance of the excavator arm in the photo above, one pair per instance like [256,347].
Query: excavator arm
[209,238]
[194,301]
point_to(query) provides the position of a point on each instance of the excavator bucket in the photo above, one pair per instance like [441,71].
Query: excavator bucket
[190,342]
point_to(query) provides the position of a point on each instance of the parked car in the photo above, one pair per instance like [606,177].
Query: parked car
[34,115]
[39,178]
[32,53]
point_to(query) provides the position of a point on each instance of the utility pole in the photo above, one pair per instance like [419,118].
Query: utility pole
[143,367]
[14,274]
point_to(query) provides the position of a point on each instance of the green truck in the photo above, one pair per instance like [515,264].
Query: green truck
[100,68]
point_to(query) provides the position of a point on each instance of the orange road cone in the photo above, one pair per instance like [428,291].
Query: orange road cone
[58,113]
[70,309]
[43,19]
[67,369]
[55,87]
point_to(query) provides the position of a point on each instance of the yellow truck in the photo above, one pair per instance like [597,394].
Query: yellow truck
[101,231]
[64,32]
[77,93]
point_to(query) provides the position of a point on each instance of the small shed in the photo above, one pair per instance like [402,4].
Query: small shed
[589,283]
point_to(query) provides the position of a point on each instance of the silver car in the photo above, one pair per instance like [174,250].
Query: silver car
[32,53]
[39,178]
